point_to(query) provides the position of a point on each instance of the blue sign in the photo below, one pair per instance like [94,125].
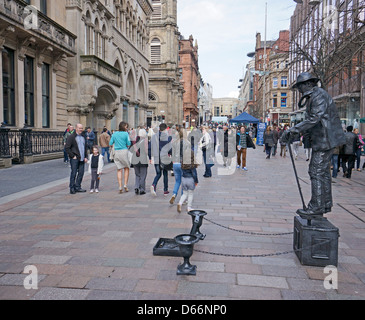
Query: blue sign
[260,134]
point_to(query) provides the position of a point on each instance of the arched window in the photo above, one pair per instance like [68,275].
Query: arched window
[88,34]
[155,51]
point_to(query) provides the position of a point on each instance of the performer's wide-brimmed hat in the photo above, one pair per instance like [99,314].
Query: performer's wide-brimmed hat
[304,77]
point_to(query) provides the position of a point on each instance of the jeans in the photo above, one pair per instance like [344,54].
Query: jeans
[158,176]
[65,155]
[77,174]
[348,163]
[268,150]
[94,179]
[335,165]
[177,174]
[208,167]
[103,150]
[141,175]
[275,147]
[358,158]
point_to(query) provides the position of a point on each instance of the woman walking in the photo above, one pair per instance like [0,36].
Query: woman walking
[207,147]
[359,148]
[177,157]
[189,182]
[121,142]
[140,161]
[268,141]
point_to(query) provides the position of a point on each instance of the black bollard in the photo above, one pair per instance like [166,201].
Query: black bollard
[197,217]
[186,243]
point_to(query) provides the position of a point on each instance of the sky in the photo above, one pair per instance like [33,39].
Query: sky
[226,31]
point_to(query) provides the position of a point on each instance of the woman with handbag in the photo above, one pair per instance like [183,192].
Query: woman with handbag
[268,141]
[121,142]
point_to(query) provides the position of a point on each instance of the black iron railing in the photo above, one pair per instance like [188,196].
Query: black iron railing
[18,143]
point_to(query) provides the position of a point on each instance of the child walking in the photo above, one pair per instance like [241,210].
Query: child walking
[189,181]
[96,165]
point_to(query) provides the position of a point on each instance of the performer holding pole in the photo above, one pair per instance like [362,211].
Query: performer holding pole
[323,126]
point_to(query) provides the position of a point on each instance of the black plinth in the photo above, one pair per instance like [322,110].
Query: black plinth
[316,244]
[167,248]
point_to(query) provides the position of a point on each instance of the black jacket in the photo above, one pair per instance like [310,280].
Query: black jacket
[322,121]
[351,144]
[250,143]
[72,148]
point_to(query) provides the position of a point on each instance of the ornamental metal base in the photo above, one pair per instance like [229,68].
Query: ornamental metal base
[166,248]
[186,243]
[316,243]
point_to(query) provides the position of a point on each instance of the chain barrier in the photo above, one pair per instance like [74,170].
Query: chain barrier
[262,255]
[249,232]
[260,234]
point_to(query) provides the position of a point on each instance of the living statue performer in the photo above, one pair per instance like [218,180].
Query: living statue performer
[323,127]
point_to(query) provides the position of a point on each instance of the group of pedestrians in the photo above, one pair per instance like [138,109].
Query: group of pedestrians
[173,150]
[349,154]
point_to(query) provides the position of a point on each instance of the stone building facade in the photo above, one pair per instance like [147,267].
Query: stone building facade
[340,26]
[109,76]
[165,91]
[35,46]
[278,92]
[189,66]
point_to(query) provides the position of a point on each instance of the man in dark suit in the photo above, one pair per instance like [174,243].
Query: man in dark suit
[323,125]
[76,148]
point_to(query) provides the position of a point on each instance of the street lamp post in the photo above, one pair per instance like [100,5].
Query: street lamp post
[265,60]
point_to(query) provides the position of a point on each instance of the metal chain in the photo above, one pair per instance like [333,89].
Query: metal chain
[249,232]
[261,255]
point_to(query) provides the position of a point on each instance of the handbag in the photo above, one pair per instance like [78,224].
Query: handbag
[163,166]
[168,167]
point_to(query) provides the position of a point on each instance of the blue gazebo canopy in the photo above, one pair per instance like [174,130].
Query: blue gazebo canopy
[245,118]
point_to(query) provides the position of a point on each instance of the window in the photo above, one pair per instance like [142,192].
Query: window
[136,116]
[284,82]
[217,111]
[125,112]
[157,9]
[8,87]
[275,100]
[284,100]
[43,6]
[29,91]
[156,51]
[274,82]
[45,96]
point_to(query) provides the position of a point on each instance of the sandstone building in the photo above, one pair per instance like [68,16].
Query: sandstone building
[188,62]
[108,78]
[165,89]
[35,46]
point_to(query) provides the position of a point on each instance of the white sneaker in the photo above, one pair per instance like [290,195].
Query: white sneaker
[245,169]
[153,192]
[96,190]
[91,190]
[238,167]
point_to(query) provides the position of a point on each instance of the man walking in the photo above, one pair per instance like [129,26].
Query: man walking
[349,150]
[76,149]
[104,143]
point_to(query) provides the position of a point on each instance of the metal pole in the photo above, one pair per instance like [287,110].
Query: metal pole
[265,59]
[296,175]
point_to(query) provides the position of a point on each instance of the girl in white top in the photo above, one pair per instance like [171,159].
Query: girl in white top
[96,165]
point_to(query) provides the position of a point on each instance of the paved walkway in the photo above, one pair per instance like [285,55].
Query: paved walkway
[100,246]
